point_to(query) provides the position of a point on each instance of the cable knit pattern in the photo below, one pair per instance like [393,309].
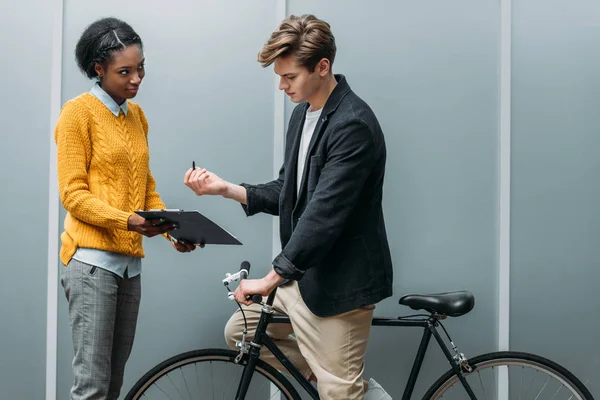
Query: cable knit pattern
[103,176]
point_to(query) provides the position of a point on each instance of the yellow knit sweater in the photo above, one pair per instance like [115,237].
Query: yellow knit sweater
[103,176]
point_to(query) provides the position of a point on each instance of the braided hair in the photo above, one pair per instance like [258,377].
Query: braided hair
[100,40]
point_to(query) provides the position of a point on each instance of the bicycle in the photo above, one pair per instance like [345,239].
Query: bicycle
[229,374]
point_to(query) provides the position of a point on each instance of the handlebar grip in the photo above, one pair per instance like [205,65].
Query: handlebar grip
[256,298]
[244,267]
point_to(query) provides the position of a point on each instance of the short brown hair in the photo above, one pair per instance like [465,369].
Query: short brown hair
[308,38]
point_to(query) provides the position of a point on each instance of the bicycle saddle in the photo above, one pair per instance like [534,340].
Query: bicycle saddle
[452,304]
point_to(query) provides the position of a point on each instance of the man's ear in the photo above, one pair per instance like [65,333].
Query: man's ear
[323,67]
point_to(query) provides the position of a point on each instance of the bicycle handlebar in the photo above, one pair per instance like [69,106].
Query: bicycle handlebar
[241,274]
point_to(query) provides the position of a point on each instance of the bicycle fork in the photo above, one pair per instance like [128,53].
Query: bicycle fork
[252,349]
[248,371]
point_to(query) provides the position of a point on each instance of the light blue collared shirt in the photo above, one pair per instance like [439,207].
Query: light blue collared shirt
[116,263]
[108,101]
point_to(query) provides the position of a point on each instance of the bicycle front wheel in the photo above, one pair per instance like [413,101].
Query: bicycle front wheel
[209,374]
[529,377]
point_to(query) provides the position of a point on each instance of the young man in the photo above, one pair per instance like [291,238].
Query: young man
[335,263]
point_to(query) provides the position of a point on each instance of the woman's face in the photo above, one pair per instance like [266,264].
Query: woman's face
[123,75]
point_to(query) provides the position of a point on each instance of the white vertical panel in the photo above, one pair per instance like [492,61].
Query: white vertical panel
[53,204]
[504,193]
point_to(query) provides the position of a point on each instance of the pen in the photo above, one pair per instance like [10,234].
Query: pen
[193,165]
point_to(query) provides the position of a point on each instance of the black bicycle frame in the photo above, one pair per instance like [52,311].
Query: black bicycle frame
[261,338]
[429,328]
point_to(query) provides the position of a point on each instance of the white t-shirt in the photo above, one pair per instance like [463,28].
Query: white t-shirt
[312,117]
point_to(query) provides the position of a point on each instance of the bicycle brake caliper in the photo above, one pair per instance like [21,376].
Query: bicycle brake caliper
[461,360]
[243,346]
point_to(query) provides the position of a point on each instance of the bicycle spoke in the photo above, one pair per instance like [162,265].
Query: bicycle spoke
[186,385]
[494,380]
[231,386]
[159,388]
[276,393]
[529,378]
[223,385]
[198,379]
[269,383]
[173,383]
[592,369]
[482,388]
[544,387]
[531,383]
[553,397]
[521,386]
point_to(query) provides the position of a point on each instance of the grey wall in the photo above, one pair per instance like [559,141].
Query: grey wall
[429,70]
[208,100]
[555,265]
[24,158]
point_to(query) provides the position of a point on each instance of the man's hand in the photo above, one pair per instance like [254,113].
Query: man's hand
[148,227]
[264,287]
[202,182]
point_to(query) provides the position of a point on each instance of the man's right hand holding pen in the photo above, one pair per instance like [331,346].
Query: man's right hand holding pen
[204,182]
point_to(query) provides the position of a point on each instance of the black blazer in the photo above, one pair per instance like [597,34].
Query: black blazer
[332,233]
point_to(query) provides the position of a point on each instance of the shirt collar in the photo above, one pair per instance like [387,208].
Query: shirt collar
[108,101]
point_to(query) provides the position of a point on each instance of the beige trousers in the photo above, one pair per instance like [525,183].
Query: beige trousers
[331,348]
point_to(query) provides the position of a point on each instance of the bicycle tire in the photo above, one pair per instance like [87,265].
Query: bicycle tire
[225,356]
[509,358]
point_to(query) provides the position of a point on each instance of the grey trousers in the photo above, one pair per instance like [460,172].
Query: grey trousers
[103,311]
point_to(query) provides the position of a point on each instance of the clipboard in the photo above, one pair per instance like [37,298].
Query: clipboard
[193,227]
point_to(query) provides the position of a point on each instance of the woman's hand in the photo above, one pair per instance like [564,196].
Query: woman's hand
[183,246]
[149,227]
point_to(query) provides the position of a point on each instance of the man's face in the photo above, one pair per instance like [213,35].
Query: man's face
[297,81]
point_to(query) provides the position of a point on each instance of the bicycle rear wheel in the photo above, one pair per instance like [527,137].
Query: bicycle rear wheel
[209,374]
[529,377]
